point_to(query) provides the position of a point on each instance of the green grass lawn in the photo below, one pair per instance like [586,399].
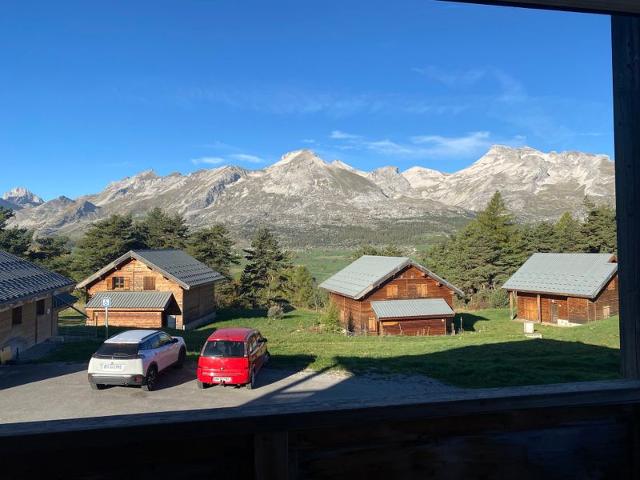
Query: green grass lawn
[492,351]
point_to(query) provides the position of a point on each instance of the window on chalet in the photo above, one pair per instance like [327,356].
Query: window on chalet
[423,290]
[16,316]
[149,283]
[117,282]
[40,306]
[392,291]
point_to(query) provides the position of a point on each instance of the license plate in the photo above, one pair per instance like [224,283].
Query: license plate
[221,379]
[112,366]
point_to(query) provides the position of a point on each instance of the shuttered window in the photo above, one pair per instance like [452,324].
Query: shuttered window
[16,316]
[149,283]
[392,291]
[423,290]
[40,307]
[117,282]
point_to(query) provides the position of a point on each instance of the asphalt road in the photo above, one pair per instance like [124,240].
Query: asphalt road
[35,392]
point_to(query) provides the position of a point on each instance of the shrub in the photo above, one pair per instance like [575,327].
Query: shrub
[489,298]
[275,311]
[330,319]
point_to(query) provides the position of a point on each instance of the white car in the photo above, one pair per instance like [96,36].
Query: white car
[135,357]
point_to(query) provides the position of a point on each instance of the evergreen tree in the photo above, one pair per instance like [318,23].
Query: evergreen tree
[302,287]
[263,281]
[540,237]
[213,246]
[105,241]
[158,229]
[568,234]
[15,240]
[598,232]
[53,253]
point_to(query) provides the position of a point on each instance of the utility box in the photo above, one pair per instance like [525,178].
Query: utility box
[528,328]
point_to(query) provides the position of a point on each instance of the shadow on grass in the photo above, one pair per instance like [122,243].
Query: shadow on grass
[527,362]
[468,321]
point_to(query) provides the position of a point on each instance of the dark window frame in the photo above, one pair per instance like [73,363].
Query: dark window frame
[41,307]
[16,316]
[118,283]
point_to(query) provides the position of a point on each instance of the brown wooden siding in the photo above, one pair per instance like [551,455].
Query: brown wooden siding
[410,283]
[198,302]
[573,309]
[416,326]
[33,328]
[134,273]
[126,318]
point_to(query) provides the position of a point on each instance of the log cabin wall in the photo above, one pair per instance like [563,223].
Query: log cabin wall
[606,303]
[134,273]
[32,329]
[126,318]
[410,283]
[416,326]
[198,302]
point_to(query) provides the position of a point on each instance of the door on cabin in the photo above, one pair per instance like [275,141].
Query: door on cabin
[554,313]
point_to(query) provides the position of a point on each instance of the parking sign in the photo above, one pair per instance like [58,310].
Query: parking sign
[106,302]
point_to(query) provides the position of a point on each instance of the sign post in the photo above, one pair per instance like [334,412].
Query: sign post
[106,303]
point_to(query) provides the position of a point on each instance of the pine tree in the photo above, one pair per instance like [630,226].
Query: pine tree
[103,242]
[598,232]
[213,246]
[15,240]
[302,287]
[263,281]
[567,234]
[158,229]
[52,253]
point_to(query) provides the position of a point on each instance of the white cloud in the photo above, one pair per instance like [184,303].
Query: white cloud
[340,135]
[208,161]
[472,145]
[245,157]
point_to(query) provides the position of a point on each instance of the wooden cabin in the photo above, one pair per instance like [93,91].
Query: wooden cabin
[152,289]
[565,288]
[30,298]
[392,296]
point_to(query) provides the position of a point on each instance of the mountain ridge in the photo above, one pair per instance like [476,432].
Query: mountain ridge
[306,197]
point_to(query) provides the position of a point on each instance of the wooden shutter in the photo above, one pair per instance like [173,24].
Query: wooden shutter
[423,290]
[392,291]
[149,283]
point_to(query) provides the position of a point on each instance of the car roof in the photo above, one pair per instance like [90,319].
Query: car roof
[131,336]
[237,333]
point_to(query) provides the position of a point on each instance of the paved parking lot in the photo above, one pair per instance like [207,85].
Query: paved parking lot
[51,391]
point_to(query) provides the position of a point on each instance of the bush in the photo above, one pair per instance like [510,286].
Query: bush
[330,319]
[489,298]
[275,311]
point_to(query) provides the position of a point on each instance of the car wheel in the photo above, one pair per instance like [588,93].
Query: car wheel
[149,382]
[97,386]
[181,357]
[252,381]
[202,385]
[267,357]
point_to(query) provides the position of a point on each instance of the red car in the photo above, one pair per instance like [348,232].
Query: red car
[232,356]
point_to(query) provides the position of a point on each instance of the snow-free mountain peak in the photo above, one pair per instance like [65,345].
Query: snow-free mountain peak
[22,197]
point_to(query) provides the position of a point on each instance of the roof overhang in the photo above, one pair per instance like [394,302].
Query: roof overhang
[34,297]
[133,255]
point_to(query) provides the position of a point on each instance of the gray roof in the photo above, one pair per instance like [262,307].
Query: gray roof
[131,336]
[419,307]
[369,271]
[571,274]
[63,300]
[138,300]
[176,265]
[21,280]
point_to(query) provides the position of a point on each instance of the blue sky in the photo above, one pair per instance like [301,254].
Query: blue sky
[91,92]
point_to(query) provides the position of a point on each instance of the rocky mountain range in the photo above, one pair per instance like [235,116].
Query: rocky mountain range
[313,202]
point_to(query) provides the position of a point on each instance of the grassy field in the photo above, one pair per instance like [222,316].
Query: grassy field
[492,351]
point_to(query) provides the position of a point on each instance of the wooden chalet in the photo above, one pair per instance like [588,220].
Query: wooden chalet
[153,289]
[30,298]
[565,288]
[392,296]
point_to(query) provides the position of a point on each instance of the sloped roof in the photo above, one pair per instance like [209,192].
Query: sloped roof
[369,271]
[63,300]
[21,280]
[419,307]
[138,300]
[572,274]
[176,265]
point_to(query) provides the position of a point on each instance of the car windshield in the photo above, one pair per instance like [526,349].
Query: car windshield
[223,348]
[118,349]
